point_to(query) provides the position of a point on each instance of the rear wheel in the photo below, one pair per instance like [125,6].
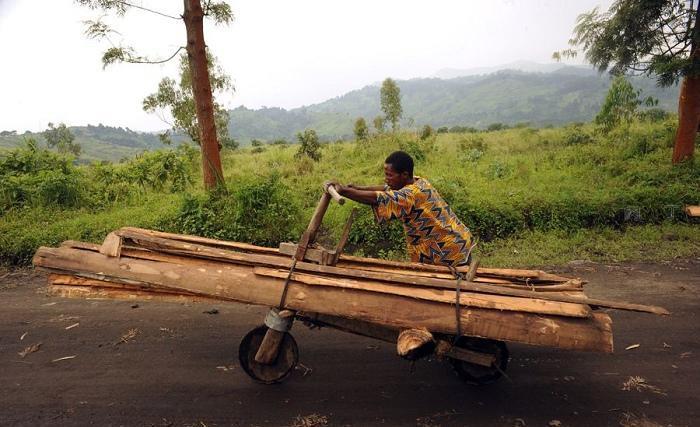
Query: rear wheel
[478,374]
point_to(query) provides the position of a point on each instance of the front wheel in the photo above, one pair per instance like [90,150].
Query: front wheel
[276,372]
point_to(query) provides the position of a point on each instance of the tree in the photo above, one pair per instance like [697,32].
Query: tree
[426,132]
[193,17]
[379,123]
[651,37]
[62,139]
[309,145]
[178,99]
[361,129]
[620,104]
[390,99]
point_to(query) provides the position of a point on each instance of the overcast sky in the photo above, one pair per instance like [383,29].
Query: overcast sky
[279,53]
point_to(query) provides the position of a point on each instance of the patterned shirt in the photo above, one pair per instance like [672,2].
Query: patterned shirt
[434,234]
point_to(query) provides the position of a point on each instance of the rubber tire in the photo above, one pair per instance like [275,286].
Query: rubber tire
[477,374]
[277,372]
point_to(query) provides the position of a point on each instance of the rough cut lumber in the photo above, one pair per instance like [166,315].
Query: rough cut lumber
[692,210]
[112,245]
[469,299]
[414,343]
[169,246]
[353,261]
[238,283]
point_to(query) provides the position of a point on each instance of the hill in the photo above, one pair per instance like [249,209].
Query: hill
[567,94]
[98,142]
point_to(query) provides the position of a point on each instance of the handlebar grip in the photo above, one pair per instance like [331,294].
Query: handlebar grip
[334,194]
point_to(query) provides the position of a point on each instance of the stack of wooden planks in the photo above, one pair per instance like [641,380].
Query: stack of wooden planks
[526,306]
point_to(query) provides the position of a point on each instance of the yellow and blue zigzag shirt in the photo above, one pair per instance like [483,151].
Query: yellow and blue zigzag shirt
[434,234]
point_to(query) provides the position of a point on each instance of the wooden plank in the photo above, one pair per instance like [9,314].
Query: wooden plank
[112,245]
[246,247]
[693,211]
[427,270]
[110,293]
[493,302]
[200,251]
[239,283]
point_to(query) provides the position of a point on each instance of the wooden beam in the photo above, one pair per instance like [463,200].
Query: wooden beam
[239,283]
[693,211]
[468,299]
[170,246]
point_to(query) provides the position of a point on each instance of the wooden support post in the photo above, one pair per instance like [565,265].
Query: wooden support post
[269,347]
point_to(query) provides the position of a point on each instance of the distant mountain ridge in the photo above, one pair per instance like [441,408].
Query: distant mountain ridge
[542,94]
[562,95]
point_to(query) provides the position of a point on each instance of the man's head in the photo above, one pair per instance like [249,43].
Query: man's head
[398,170]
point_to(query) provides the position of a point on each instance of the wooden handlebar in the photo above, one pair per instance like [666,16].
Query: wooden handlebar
[334,194]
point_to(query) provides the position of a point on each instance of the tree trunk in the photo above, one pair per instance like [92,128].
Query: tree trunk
[688,119]
[201,88]
[689,101]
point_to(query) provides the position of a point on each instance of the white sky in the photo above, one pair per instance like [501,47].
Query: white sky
[279,53]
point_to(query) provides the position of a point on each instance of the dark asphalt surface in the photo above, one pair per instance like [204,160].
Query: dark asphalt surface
[181,367]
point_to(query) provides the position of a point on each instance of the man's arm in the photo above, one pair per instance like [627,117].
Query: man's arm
[367,197]
[367,187]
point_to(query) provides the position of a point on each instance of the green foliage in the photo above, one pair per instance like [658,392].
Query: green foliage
[426,132]
[379,123]
[654,37]
[61,138]
[37,177]
[619,106]
[512,187]
[177,99]
[34,177]
[258,211]
[654,115]
[442,129]
[576,135]
[413,148]
[390,101]
[496,126]
[258,146]
[361,130]
[309,145]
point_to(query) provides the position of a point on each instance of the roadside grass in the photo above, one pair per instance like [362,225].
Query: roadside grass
[549,248]
[533,196]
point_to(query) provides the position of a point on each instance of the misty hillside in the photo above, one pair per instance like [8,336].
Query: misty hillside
[97,142]
[569,94]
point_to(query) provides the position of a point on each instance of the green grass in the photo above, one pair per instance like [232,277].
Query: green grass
[640,243]
[533,196]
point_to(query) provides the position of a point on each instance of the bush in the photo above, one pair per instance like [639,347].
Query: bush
[30,176]
[309,145]
[425,132]
[414,149]
[496,126]
[442,129]
[575,135]
[258,212]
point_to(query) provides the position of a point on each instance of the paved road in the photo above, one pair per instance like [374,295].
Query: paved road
[181,369]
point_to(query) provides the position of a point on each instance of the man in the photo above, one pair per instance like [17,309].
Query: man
[434,234]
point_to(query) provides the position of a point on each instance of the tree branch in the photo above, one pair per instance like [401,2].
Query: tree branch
[150,10]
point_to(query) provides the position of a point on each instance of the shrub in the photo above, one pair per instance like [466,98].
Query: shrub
[425,132]
[309,145]
[414,149]
[498,170]
[575,135]
[442,129]
[361,130]
[259,212]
